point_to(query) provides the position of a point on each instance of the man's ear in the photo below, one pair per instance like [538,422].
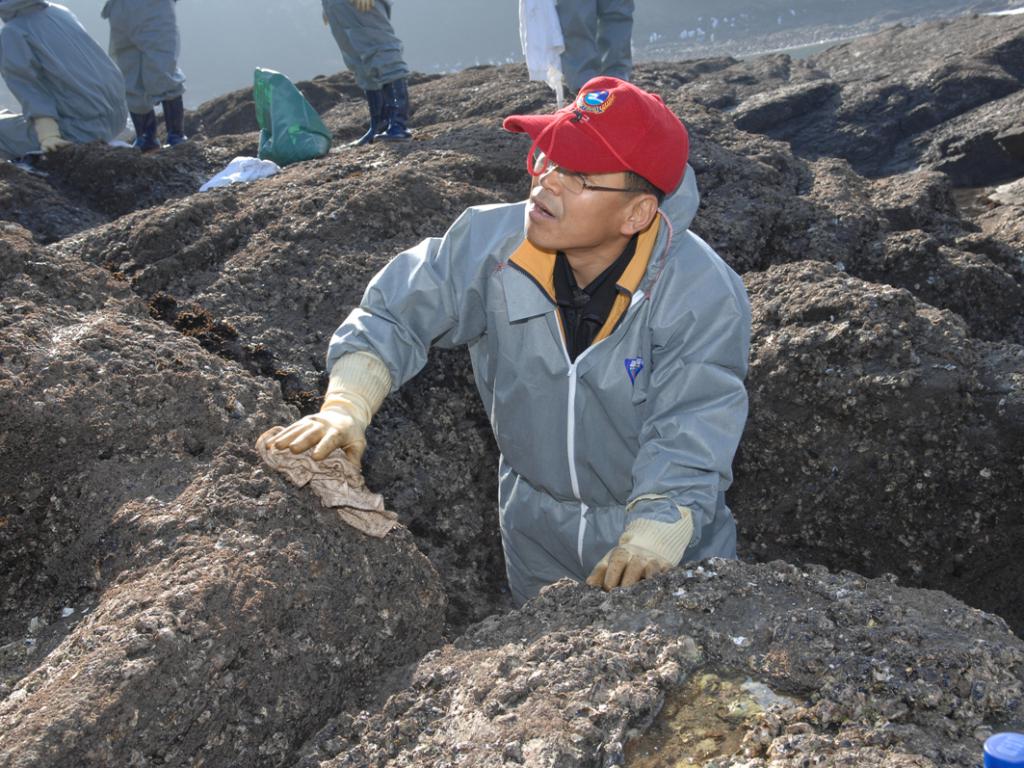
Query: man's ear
[641,212]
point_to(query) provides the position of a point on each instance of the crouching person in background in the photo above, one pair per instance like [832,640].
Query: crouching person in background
[69,89]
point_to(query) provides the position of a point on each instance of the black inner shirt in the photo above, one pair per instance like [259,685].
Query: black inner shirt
[585,310]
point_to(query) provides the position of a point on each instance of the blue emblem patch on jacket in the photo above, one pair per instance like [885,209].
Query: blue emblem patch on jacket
[633,367]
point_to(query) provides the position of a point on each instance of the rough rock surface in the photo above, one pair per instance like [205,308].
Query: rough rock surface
[943,95]
[155,578]
[27,198]
[866,404]
[183,603]
[874,674]
[84,185]
[1002,216]
[100,402]
[227,623]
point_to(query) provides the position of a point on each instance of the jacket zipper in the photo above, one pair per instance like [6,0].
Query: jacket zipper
[570,443]
[570,438]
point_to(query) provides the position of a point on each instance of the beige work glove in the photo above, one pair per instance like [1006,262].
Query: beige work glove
[48,133]
[359,383]
[362,5]
[646,548]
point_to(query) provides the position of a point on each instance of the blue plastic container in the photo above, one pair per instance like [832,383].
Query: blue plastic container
[1004,750]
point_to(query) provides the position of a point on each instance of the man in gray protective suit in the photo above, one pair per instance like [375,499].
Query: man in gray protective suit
[609,345]
[598,37]
[373,53]
[68,88]
[145,44]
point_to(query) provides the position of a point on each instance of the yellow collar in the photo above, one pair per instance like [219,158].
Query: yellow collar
[539,263]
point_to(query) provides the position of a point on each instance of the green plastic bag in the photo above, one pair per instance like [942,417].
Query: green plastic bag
[290,129]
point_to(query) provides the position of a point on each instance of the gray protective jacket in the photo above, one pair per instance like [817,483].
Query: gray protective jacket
[651,413]
[144,42]
[54,69]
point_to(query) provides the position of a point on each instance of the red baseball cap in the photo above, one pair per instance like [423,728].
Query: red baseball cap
[611,126]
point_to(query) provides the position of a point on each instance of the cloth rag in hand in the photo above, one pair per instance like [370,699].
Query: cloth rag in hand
[335,480]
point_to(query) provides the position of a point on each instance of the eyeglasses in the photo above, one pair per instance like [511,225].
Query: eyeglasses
[573,182]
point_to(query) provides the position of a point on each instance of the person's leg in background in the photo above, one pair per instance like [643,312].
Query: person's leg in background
[615,37]
[581,59]
[374,55]
[162,79]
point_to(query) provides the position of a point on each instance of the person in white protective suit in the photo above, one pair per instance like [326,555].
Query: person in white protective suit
[609,345]
[69,89]
[598,36]
[374,55]
[144,42]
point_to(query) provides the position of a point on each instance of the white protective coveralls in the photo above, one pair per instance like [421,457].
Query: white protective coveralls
[645,421]
[145,43]
[598,38]
[54,69]
[369,46]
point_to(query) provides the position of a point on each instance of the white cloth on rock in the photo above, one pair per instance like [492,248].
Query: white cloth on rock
[242,169]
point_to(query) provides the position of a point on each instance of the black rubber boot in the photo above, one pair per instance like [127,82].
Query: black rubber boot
[145,131]
[396,99]
[375,103]
[174,119]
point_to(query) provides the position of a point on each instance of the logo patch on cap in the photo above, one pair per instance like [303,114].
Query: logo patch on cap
[595,102]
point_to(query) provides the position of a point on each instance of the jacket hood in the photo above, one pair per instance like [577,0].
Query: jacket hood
[681,206]
[11,8]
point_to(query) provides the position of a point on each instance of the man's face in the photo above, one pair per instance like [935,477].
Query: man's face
[560,219]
